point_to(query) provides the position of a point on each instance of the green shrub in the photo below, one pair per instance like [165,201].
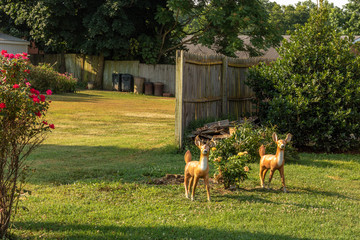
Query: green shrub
[313,89]
[44,77]
[231,155]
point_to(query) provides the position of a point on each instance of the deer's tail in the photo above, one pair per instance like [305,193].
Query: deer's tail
[187,156]
[262,151]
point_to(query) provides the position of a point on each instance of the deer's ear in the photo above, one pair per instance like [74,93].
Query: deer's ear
[274,137]
[288,138]
[197,141]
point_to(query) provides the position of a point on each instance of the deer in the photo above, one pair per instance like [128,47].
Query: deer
[194,170]
[273,162]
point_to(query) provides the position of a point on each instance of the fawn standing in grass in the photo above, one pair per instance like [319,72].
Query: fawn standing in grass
[194,170]
[273,162]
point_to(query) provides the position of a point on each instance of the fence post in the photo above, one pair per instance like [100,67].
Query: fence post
[224,82]
[179,131]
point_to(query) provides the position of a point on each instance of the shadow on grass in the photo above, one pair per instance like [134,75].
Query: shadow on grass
[59,164]
[76,97]
[92,232]
[326,160]
[258,199]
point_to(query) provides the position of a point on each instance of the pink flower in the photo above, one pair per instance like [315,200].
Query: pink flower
[34,91]
[16,86]
[36,100]
[3,52]
[42,98]
[38,114]
[49,92]
[11,56]
[52,126]
[28,84]
[24,54]
[2,105]
[17,56]
[6,55]
[27,71]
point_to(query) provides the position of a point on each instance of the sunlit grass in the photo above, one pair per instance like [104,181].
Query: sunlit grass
[92,172]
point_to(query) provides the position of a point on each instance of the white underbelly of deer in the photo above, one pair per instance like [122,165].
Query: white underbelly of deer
[203,164]
[281,158]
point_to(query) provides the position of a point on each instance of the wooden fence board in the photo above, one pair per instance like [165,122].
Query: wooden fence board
[210,86]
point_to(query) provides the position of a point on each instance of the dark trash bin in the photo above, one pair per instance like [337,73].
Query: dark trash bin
[158,89]
[116,83]
[149,88]
[127,83]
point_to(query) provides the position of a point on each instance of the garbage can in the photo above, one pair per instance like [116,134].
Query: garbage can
[139,85]
[127,83]
[116,83]
[149,88]
[158,89]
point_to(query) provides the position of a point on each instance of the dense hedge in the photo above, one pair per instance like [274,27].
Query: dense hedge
[313,89]
[44,77]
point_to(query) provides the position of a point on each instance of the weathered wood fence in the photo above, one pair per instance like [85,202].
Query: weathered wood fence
[96,69]
[211,86]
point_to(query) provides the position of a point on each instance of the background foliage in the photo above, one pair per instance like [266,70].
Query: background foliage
[313,90]
[44,77]
[148,30]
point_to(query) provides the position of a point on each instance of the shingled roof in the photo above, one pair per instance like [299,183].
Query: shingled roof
[270,54]
[4,38]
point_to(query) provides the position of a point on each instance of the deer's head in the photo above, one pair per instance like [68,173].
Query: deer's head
[204,147]
[281,143]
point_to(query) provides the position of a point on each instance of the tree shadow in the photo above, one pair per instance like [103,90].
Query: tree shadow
[58,164]
[324,160]
[93,232]
[76,97]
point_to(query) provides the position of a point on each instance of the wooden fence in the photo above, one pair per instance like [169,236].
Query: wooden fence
[97,70]
[210,86]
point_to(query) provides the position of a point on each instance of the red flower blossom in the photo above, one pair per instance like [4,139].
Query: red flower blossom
[2,105]
[34,91]
[38,114]
[27,70]
[45,122]
[16,86]
[3,52]
[49,92]
[42,98]
[52,126]
[36,100]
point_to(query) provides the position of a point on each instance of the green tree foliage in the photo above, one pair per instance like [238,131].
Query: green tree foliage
[313,89]
[351,13]
[286,17]
[149,30]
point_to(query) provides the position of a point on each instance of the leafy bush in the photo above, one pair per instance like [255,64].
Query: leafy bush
[22,128]
[313,89]
[231,155]
[45,77]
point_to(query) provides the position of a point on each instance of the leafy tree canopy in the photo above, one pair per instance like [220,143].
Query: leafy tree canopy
[149,30]
[313,89]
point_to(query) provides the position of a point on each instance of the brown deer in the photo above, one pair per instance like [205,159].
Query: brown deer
[194,170]
[273,162]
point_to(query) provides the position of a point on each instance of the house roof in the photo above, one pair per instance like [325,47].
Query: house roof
[4,38]
[270,54]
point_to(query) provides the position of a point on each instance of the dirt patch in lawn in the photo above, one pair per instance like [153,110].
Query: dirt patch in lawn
[172,179]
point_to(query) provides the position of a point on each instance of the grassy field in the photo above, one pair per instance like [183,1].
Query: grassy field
[92,173]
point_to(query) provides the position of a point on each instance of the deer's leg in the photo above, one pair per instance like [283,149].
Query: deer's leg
[262,174]
[282,175]
[207,185]
[270,177]
[196,180]
[190,183]
[186,180]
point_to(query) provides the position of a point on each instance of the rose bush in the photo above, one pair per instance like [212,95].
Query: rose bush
[22,128]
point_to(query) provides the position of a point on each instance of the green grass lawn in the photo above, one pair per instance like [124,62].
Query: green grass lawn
[91,174]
